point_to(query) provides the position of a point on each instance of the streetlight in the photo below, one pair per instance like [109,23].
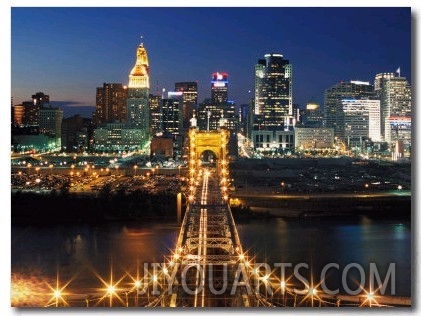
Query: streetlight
[179,167]
[313,292]
[283,287]
[111,292]
[51,168]
[116,168]
[135,169]
[37,170]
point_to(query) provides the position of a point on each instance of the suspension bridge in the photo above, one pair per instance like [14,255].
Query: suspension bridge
[208,266]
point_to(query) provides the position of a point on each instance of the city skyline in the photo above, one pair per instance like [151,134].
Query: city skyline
[74,48]
[86,215]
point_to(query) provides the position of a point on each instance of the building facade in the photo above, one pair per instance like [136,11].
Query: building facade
[273,91]
[275,142]
[312,115]
[76,134]
[361,122]
[189,90]
[219,88]
[40,99]
[155,114]
[116,137]
[333,106]
[111,103]
[172,115]
[395,106]
[313,138]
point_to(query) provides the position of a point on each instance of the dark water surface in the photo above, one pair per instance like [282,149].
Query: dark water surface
[83,254]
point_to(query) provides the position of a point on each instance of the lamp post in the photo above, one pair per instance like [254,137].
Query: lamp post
[179,168]
[135,170]
[283,288]
[51,168]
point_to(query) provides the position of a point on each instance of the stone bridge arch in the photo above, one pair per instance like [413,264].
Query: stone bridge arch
[201,142]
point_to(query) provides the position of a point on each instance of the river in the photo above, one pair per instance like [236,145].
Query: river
[83,255]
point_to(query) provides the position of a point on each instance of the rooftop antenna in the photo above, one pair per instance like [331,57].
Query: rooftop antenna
[157,88]
[399,71]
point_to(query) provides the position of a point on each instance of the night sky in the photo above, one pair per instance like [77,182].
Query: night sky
[68,52]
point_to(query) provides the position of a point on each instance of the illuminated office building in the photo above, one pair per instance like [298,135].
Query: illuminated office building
[333,106]
[273,92]
[138,94]
[395,106]
[189,90]
[111,101]
[219,88]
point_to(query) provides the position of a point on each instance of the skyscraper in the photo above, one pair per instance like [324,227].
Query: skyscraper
[219,88]
[395,107]
[155,112]
[189,90]
[333,106]
[111,101]
[172,118]
[138,94]
[273,91]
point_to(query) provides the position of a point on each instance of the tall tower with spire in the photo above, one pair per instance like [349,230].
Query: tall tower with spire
[138,94]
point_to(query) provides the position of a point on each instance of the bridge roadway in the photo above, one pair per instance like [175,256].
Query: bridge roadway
[208,255]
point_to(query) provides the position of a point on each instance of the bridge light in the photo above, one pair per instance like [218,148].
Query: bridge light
[165,270]
[137,283]
[57,294]
[282,285]
[265,278]
[241,256]
[312,291]
[110,289]
[176,256]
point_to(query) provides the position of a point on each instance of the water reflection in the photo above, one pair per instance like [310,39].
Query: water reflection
[84,252]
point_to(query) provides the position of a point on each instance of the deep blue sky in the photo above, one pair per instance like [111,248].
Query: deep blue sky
[68,52]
